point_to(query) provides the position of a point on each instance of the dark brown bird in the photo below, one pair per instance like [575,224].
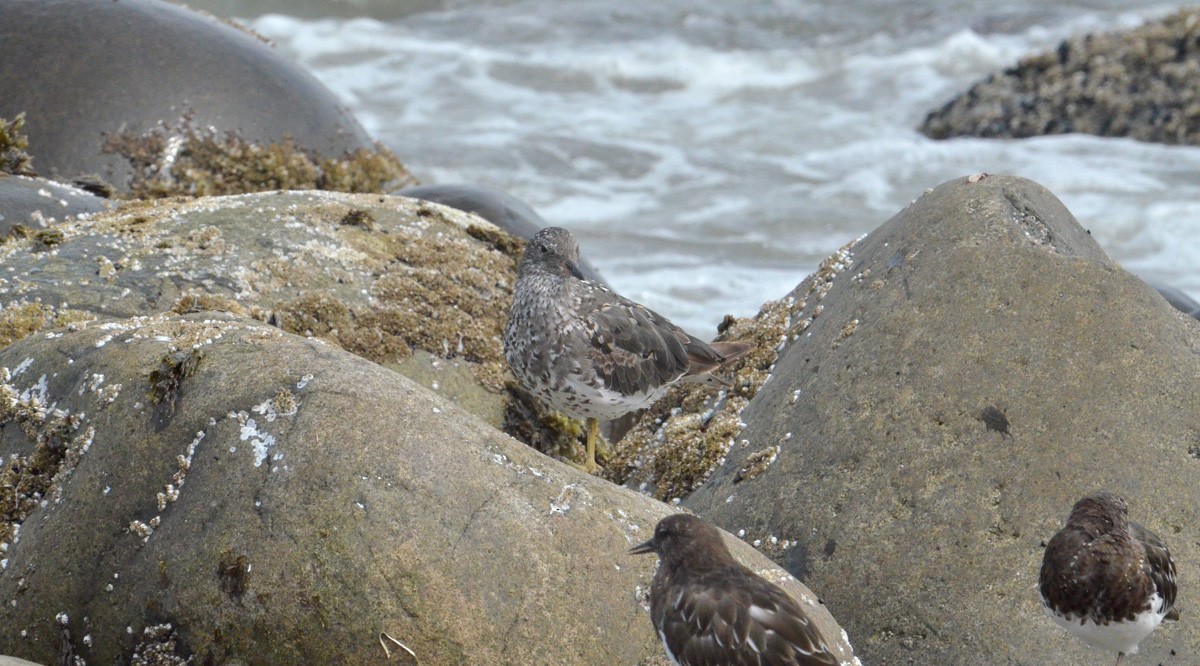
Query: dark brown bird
[711,611]
[1107,580]
[591,353]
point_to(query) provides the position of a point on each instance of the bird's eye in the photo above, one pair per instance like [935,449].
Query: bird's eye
[544,248]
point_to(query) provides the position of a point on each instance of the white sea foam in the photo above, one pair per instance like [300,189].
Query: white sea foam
[710,154]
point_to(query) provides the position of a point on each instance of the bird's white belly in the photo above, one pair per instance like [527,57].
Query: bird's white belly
[1115,636]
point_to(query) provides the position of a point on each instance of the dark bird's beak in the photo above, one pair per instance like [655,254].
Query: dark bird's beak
[644,547]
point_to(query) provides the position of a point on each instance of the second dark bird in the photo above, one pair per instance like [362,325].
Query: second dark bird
[710,610]
[1105,578]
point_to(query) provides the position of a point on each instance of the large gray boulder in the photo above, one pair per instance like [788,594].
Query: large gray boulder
[212,488]
[974,366]
[85,71]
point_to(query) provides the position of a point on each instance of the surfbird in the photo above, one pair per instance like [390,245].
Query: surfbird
[1106,579]
[589,352]
[708,609]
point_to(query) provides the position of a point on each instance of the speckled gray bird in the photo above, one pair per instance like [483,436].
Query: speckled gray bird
[591,353]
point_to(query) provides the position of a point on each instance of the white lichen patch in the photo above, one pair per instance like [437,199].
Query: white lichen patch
[493,455]
[572,495]
[16,372]
[260,440]
[632,530]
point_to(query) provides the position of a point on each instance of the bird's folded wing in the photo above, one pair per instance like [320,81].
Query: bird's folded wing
[742,625]
[1158,562]
[635,350]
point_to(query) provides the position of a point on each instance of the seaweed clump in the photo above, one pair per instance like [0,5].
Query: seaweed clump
[442,294]
[28,480]
[172,161]
[13,144]
[678,443]
[527,420]
[19,321]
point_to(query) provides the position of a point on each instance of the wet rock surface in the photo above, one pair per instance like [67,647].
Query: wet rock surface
[1142,84]
[36,202]
[975,366]
[138,63]
[292,502]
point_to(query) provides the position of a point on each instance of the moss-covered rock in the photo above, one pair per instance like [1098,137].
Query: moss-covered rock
[186,161]
[416,278]
[500,208]
[1142,83]
[293,503]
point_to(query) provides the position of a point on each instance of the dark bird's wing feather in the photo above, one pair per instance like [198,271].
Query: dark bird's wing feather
[737,619]
[1161,567]
[635,349]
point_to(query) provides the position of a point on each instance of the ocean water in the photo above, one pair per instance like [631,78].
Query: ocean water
[707,153]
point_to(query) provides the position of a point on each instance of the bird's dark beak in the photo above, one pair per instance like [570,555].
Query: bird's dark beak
[644,547]
[573,269]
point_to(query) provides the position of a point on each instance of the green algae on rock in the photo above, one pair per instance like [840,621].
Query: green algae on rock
[18,320]
[678,442]
[185,161]
[13,144]
[415,278]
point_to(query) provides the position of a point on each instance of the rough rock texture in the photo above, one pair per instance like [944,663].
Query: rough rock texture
[37,202]
[141,62]
[381,276]
[211,487]
[979,366]
[1143,84]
